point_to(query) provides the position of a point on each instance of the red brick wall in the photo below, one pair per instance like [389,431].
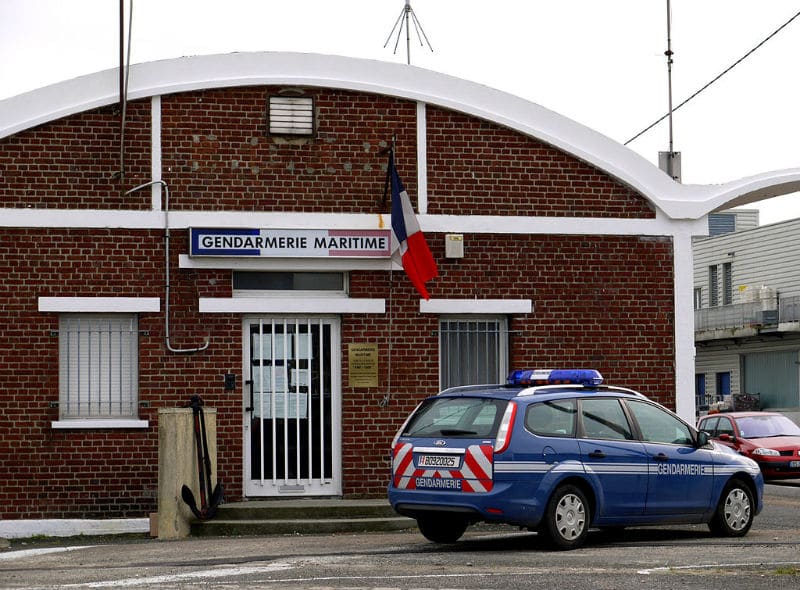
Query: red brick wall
[477,167]
[599,301]
[215,146]
[74,163]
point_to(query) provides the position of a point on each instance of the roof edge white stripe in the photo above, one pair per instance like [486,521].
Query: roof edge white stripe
[476,224]
[678,201]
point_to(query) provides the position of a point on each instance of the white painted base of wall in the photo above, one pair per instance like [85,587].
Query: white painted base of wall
[19,529]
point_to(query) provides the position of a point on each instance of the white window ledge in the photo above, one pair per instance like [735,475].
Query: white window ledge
[291,305]
[100,304]
[476,306]
[85,424]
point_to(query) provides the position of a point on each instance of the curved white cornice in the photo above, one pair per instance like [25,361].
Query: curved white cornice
[677,201]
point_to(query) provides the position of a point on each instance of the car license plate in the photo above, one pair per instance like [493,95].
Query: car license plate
[794,464]
[438,461]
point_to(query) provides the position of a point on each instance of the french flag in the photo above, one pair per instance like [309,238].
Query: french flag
[409,241]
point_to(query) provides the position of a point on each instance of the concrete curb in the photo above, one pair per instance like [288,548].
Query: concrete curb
[19,529]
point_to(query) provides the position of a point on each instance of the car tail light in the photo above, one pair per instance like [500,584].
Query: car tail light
[506,426]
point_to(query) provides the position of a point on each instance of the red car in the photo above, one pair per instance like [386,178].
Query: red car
[771,439]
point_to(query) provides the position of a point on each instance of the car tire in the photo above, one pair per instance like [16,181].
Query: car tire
[735,511]
[442,528]
[566,519]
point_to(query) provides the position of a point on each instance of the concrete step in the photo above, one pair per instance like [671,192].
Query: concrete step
[302,516]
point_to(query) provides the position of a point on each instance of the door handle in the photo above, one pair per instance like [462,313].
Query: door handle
[660,457]
[250,409]
[597,455]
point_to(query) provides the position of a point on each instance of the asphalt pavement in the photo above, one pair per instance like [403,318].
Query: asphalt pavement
[487,557]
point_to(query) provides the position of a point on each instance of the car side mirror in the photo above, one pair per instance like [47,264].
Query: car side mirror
[702,438]
[727,438]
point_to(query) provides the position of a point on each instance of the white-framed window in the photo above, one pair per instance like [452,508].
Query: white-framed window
[98,366]
[472,350]
[295,283]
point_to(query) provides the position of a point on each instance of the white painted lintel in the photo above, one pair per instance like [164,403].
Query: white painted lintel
[476,306]
[100,304]
[328,305]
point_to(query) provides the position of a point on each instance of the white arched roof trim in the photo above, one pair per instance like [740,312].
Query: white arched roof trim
[677,201]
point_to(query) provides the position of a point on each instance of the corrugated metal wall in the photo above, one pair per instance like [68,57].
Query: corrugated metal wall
[763,256]
[773,375]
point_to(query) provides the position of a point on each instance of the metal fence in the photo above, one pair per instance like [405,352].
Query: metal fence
[747,314]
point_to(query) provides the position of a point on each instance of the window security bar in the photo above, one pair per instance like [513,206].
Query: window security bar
[98,366]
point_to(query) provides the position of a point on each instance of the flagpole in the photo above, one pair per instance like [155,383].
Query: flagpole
[386,398]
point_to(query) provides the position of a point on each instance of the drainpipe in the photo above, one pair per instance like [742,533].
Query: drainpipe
[167,267]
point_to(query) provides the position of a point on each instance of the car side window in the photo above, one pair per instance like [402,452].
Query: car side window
[604,418]
[659,426]
[724,427]
[710,426]
[554,418]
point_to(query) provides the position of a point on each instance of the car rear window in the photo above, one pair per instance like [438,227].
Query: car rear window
[457,417]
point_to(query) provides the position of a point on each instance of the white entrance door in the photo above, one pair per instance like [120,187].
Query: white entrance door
[292,401]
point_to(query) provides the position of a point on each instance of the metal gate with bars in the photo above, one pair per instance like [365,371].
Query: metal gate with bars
[292,406]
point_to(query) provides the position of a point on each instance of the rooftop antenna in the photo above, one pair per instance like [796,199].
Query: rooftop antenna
[670,162]
[405,20]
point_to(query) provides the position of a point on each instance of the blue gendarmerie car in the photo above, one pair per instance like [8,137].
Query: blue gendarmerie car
[558,452]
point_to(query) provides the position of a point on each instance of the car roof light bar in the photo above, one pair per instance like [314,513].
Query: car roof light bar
[584,377]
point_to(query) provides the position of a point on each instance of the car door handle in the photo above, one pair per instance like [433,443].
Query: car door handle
[660,457]
[597,455]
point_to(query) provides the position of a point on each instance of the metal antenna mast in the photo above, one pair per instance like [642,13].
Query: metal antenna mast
[405,20]
[670,162]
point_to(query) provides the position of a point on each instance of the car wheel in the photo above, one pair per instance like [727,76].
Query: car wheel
[567,517]
[734,514]
[442,529]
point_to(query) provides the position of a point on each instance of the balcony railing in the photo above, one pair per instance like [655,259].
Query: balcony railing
[743,315]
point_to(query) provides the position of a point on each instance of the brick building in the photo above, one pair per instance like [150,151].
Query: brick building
[125,292]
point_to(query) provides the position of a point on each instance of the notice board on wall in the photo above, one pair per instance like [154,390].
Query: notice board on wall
[362,365]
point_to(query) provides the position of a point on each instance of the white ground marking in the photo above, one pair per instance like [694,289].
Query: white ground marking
[647,572]
[35,552]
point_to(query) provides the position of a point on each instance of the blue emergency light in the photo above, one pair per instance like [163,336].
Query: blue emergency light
[585,377]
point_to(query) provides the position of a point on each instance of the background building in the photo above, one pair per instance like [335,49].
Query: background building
[747,313]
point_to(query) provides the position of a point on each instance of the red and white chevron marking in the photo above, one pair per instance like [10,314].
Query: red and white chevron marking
[475,473]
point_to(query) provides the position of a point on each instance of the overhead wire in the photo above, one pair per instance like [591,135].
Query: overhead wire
[728,69]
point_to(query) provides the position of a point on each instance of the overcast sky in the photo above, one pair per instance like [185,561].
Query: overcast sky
[599,62]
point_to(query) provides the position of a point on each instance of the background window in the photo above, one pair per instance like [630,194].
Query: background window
[727,283]
[98,366]
[713,286]
[723,382]
[700,390]
[472,351]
